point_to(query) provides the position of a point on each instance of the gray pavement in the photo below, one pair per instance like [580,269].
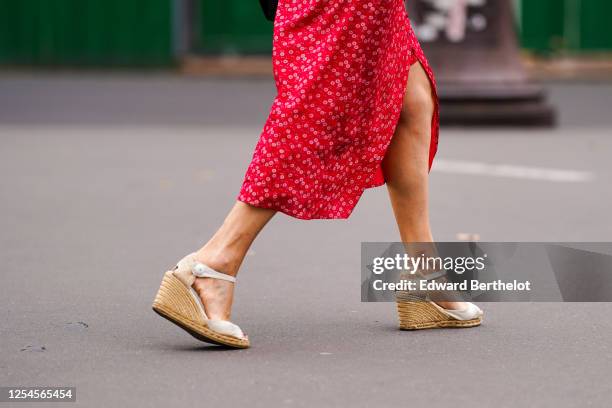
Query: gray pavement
[107,180]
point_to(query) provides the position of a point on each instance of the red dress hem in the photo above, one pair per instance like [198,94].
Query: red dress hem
[319,177]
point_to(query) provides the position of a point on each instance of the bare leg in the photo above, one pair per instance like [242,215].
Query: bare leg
[406,164]
[225,252]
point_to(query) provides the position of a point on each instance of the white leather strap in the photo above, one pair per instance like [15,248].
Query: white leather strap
[202,271]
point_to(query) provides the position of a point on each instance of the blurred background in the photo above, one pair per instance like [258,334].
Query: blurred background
[162,32]
[126,127]
[486,53]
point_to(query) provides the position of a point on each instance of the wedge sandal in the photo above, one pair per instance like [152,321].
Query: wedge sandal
[178,302]
[416,313]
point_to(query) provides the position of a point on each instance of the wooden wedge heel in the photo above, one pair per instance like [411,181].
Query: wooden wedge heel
[418,314]
[177,302]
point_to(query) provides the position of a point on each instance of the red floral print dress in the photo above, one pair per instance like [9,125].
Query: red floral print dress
[341,69]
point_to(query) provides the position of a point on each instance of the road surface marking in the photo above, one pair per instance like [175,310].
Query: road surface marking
[512,171]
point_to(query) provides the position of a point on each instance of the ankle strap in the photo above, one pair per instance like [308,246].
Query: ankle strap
[203,271]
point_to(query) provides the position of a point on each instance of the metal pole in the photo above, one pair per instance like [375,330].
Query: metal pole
[183,15]
[474,50]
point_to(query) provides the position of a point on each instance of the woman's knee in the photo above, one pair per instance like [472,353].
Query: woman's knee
[417,108]
[418,105]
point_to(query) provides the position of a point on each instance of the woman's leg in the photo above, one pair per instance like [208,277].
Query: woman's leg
[406,164]
[225,252]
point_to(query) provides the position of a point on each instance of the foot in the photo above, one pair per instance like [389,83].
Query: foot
[461,310]
[198,299]
[217,297]
[452,305]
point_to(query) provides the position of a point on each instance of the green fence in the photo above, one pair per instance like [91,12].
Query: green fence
[566,25]
[142,32]
[232,26]
[90,32]
[237,26]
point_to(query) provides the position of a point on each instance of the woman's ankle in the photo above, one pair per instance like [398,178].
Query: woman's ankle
[222,260]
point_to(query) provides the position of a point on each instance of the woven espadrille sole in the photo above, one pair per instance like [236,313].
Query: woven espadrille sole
[175,303]
[423,315]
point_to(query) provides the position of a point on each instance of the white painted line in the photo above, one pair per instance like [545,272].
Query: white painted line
[512,171]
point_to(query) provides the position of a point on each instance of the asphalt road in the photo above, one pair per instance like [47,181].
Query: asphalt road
[107,180]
